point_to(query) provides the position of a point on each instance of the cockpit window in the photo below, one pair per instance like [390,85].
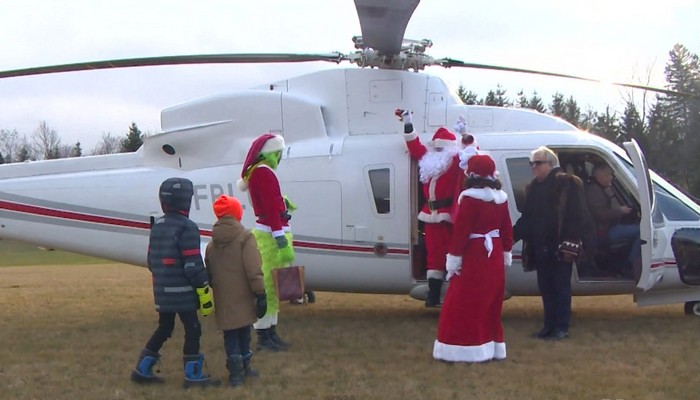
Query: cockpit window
[672,208]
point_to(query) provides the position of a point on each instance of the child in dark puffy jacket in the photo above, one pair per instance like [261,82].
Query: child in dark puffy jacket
[180,285]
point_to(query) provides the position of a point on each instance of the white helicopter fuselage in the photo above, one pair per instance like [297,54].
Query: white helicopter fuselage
[347,169]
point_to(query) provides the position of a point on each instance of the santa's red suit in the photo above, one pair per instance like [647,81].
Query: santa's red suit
[470,328]
[440,175]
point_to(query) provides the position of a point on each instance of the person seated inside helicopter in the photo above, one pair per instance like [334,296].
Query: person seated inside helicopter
[612,219]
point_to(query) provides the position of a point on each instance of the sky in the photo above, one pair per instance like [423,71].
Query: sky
[613,40]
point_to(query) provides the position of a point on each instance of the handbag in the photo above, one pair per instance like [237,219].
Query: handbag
[289,282]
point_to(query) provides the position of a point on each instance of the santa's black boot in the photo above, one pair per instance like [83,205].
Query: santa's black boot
[265,341]
[434,293]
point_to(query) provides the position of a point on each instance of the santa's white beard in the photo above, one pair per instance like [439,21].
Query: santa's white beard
[434,163]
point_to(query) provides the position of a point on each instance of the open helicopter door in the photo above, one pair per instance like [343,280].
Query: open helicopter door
[647,278]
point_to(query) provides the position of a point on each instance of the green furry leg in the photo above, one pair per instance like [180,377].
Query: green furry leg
[267,246]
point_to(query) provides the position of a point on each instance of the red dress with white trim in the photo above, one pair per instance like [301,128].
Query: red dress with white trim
[470,328]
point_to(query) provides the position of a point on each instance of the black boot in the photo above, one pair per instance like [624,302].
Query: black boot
[143,371]
[434,292]
[278,340]
[250,372]
[265,341]
[236,374]
[194,372]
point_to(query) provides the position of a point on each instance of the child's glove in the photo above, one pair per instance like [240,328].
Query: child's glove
[260,305]
[206,300]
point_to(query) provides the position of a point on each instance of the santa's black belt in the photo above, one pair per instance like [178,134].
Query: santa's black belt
[437,204]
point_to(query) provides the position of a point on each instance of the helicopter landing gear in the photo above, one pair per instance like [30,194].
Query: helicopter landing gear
[692,308]
[308,298]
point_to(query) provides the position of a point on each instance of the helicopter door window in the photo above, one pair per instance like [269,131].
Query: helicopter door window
[380,181]
[520,175]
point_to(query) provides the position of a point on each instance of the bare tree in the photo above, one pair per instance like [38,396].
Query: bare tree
[46,141]
[9,144]
[108,145]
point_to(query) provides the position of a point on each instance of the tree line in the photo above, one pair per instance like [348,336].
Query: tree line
[667,127]
[44,143]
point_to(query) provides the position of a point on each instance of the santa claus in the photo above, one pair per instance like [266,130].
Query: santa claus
[470,328]
[440,175]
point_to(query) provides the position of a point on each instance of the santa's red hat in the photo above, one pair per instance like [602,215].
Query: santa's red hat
[443,138]
[264,143]
[481,166]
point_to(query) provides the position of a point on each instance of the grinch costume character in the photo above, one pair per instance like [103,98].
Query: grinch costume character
[441,176]
[272,231]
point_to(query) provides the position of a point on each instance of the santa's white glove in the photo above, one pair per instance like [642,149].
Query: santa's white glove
[461,125]
[453,266]
[507,258]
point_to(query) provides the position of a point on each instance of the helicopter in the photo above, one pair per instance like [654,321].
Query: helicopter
[345,166]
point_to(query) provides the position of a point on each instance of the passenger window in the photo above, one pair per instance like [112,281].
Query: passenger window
[520,175]
[380,180]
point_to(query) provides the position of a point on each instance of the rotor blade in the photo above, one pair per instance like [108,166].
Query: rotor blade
[176,60]
[448,63]
[383,23]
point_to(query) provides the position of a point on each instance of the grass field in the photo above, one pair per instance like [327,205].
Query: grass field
[74,332]
[13,253]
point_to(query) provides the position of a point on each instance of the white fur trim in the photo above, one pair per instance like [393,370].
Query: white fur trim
[275,143]
[265,322]
[410,136]
[456,353]
[435,274]
[242,184]
[465,154]
[507,258]
[443,143]
[485,194]
[435,217]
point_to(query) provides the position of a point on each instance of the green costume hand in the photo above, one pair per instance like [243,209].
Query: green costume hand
[289,204]
[285,255]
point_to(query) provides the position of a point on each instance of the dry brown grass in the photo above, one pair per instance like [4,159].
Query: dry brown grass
[74,332]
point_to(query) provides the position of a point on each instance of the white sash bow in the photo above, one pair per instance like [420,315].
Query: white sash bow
[488,239]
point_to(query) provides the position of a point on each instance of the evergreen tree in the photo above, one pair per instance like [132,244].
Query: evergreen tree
[572,113]
[588,119]
[76,151]
[631,126]
[467,96]
[521,102]
[133,140]
[606,125]
[558,107]
[2,159]
[535,103]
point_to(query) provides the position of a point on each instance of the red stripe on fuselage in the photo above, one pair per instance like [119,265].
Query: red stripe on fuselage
[75,216]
